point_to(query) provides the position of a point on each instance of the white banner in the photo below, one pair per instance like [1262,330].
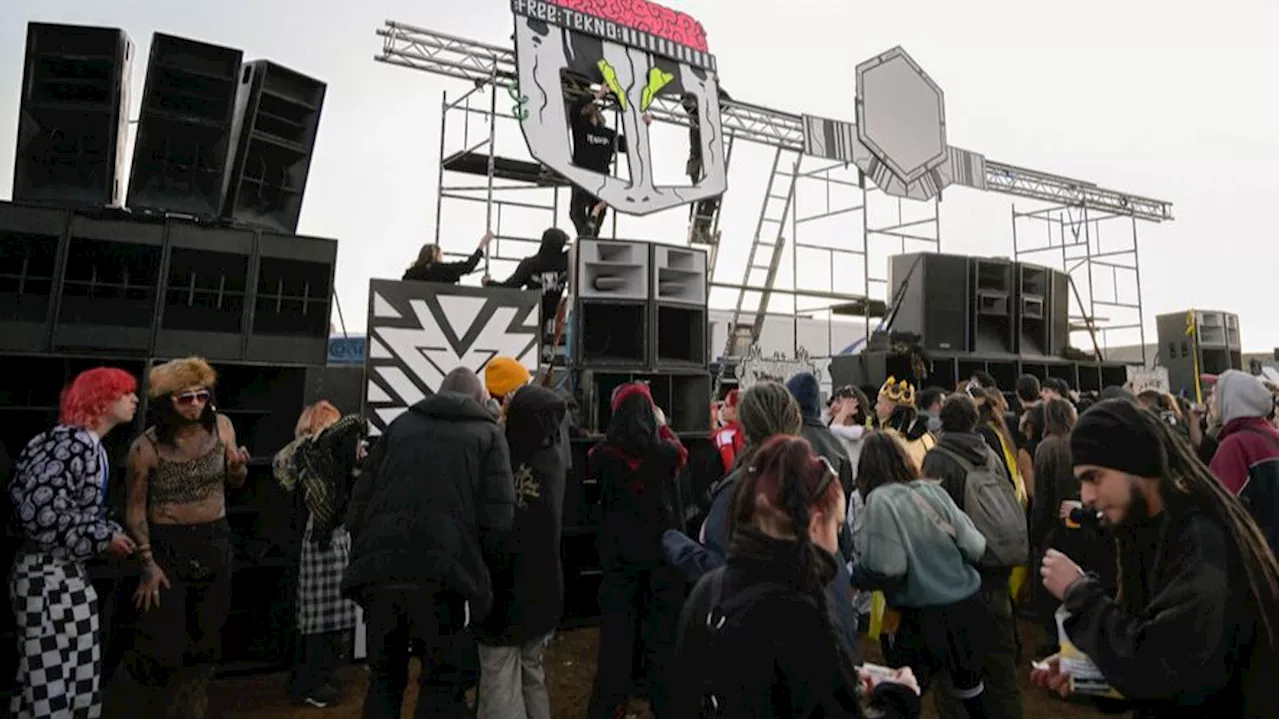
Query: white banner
[1145,378]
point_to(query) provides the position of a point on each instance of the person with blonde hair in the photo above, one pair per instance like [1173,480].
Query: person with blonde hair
[431,267]
[321,461]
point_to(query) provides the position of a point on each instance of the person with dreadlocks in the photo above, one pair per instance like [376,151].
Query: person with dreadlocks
[757,638]
[636,466]
[59,494]
[1191,630]
[321,461]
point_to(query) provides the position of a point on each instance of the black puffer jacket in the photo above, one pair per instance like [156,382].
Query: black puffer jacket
[777,654]
[528,580]
[440,485]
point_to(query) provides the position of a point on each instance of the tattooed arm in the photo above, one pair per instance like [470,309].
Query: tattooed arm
[142,461]
[237,457]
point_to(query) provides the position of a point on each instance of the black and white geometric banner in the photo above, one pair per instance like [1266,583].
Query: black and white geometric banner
[419,332]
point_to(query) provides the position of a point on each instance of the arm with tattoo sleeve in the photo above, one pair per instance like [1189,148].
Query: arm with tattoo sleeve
[142,460]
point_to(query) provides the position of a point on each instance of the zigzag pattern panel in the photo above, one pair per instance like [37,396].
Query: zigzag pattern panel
[419,332]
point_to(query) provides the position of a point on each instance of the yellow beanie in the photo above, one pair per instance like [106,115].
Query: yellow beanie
[503,375]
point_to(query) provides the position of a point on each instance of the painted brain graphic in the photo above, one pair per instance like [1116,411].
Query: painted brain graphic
[646,17]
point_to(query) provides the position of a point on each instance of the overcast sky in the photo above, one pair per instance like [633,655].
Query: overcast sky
[1169,100]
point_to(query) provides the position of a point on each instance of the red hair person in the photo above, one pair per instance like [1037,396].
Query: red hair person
[757,637]
[59,494]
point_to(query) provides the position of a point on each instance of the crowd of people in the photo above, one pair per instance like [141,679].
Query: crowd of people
[927,519]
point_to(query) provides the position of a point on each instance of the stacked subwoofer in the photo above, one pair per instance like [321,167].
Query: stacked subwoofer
[640,314]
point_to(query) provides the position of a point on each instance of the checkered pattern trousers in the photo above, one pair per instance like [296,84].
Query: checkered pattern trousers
[59,658]
[321,607]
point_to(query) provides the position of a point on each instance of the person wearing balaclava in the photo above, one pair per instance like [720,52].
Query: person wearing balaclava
[1191,629]
[526,572]
[1247,461]
[548,270]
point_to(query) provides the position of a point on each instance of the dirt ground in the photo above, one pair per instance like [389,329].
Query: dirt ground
[570,668]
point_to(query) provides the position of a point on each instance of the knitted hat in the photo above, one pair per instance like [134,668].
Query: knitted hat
[624,391]
[179,374]
[504,375]
[1111,434]
[808,393]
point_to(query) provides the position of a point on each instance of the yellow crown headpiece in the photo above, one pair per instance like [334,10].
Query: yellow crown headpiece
[903,393]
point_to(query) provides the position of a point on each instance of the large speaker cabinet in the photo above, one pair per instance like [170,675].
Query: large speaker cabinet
[183,146]
[73,117]
[934,300]
[277,115]
[1213,347]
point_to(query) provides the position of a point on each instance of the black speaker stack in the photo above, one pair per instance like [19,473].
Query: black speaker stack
[218,140]
[194,252]
[640,314]
[984,314]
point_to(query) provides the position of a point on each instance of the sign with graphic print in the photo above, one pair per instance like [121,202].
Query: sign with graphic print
[419,332]
[640,51]
[755,367]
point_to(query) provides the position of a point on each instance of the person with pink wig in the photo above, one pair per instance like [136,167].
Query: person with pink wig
[59,491]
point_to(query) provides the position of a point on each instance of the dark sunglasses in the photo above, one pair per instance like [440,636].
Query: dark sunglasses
[190,398]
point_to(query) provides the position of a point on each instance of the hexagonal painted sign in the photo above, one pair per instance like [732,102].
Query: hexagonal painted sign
[901,118]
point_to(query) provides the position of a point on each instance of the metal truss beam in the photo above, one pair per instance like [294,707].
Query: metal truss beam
[451,56]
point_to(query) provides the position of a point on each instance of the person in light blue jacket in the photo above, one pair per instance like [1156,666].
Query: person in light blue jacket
[917,547]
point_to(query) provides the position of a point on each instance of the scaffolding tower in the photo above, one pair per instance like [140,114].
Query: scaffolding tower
[856,285]
[1098,251]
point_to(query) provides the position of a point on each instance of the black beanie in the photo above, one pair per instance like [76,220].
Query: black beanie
[1111,434]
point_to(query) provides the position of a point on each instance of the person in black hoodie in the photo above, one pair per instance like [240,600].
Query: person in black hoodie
[1191,630]
[431,267]
[805,388]
[959,438]
[636,470]
[594,145]
[528,581]
[547,271]
[438,487]
[756,637]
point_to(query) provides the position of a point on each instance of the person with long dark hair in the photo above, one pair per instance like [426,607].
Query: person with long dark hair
[1191,630]
[757,638]
[179,470]
[640,595]
[59,492]
[920,549]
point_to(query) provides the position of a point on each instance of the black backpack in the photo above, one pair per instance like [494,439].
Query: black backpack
[722,617]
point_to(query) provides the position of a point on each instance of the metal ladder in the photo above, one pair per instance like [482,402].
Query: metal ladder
[768,241]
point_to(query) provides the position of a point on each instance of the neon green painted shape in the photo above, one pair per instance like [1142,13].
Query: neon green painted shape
[657,80]
[611,81]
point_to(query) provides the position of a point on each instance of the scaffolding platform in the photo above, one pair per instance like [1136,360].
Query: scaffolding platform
[504,168]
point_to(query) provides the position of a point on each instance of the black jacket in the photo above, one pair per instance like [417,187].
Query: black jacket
[778,653]
[826,445]
[638,500]
[593,145]
[1185,644]
[439,486]
[447,273]
[528,580]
